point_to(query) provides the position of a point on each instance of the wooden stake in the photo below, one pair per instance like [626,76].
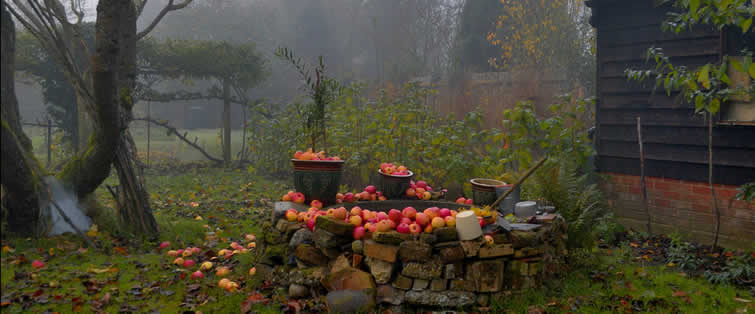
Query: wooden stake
[519,182]
[642,174]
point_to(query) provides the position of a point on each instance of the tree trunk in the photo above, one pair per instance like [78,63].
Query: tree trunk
[19,179]
[226,122]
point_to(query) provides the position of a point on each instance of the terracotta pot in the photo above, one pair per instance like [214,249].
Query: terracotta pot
[318,179]
[483,190]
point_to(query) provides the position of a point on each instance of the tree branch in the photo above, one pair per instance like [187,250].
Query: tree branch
[174,130]
[169,7]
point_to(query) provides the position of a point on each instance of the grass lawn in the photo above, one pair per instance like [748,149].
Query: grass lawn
[210,208]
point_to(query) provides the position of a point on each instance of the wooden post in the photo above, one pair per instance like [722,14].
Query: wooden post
[49,142]
[642,175]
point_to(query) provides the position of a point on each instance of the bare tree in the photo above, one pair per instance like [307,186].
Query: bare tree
[109,79]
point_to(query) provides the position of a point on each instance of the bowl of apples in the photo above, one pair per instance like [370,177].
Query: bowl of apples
[317,175]
[394,180]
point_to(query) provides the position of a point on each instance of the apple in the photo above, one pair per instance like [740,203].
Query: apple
[252,271]
[401,168]
[356,211]
[438,223]
[196,250]
[298,198]
[461,200]
[415,228]
[365,196]
[421,184]
[164,245]
[419,191]
[292,215]
[180,252]
[39,264]
[489,240]
[429,228]
[428,188]
[469,201]
[373,197]
[172,253]
[224,252]
[409,212]
[197,275]
[223,271]
[405,220]
[426,196]
[410,192]
[231,286]
[297,154]
[178,261]
[450,221]
[382,216]
[384,225]
[348,197]
[482,222]
[339,196]
[317,204]
[236,246]
[311,224]
[382,198]
[432,212]
[368,226]
[340,213]
[251,245]
[205,266]
[444,212]
[370,189]
[223,282]
[358,233]
[453,213]
[286,198]
[422,219]
[394,215]
[402,228]
[355,220]
[189,263]
[187,253]
[331,212]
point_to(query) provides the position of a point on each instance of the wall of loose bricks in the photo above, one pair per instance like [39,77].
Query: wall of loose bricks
[681,206]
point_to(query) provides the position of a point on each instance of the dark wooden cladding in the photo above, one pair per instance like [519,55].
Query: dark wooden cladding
[675,137]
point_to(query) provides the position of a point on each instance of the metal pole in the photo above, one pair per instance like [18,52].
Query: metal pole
[149,117]
[49,142]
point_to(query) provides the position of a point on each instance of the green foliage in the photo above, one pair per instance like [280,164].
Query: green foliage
[718,13]
[746,192]
[738,270]
[682,254]
[607,228]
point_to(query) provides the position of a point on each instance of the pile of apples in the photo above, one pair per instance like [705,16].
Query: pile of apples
[408,220]
[296,197]
[370,193]
[183,259]
[462,200]
[309,155]
[395,170]
[420,189]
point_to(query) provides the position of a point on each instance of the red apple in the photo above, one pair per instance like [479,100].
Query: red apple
[164,245]
[384,225]
[469,201]
[298,198]
[415,228]
[317,204]
[196,250]
[180,252]
[197,275]
[394,215]
[411,192]
[438,223]
[37,264]
[311,224]
[340,213]
[409,212]
[429,228]
[371,189]
[358,233]
[402,228]
[482,222]
[422,219]
[461,200]
[428,188]
[445,212]
[173,253]
[370,226]
[421,184]
[382,216]
[432,212]
[348,197]
[188,263]
[405,220]
[223,271]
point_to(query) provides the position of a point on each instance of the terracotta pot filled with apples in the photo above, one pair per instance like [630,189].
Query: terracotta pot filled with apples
[317,176]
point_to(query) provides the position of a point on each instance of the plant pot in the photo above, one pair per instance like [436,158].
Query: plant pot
[394,186]
[483,190]
[318,179]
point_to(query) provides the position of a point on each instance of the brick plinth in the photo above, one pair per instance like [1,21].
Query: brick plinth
[682,206]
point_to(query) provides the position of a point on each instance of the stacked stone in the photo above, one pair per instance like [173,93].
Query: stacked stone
[429,270]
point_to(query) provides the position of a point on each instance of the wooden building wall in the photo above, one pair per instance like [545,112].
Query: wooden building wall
[675,137]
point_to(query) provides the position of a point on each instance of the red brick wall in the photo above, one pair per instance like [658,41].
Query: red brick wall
[682,206]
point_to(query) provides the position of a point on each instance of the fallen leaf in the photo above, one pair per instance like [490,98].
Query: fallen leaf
[679,293]
[121,250]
